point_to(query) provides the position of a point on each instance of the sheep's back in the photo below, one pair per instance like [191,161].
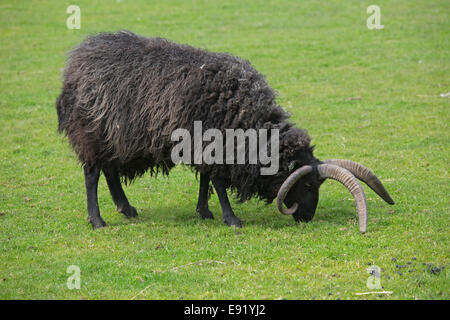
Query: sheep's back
[131,93]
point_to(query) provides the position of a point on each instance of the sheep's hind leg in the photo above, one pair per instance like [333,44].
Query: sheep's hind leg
[202,204]
[118,195]
[91,176]
[227,212]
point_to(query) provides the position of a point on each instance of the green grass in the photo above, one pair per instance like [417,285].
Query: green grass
[317,55]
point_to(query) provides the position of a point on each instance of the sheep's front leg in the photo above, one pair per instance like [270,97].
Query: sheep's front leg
[119,198]
[91,176]
[202,204]
[227,213]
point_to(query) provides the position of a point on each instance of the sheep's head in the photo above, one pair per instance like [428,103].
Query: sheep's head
[303,196]
[300,191]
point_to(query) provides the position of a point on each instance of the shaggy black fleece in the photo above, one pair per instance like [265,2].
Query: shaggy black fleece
[123,95]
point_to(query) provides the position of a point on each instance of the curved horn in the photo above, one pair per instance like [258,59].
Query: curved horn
[287,185]
[363,174]
[349,181]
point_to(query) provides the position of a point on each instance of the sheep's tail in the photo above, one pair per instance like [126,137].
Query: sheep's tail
[63,113]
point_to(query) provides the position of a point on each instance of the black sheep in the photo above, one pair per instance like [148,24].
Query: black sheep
[124,95]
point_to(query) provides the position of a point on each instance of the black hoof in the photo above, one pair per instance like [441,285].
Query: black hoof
[97,223]
[129,212]
[205,213]
[233,221]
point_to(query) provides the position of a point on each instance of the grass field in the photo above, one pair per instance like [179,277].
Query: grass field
[372,96]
